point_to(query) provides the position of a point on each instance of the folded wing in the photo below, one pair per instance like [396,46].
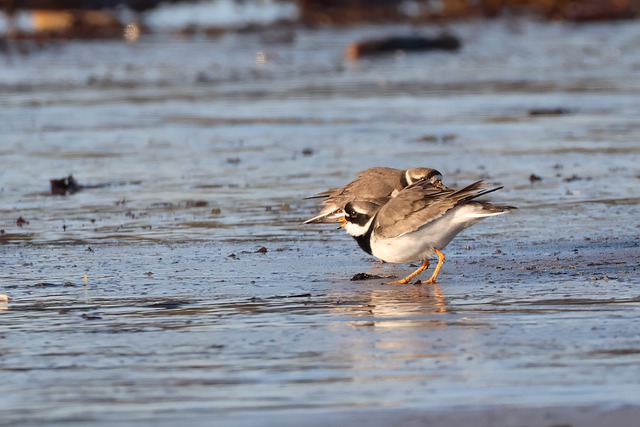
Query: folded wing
[420,204]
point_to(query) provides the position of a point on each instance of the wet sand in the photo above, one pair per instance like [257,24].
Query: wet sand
[211,153]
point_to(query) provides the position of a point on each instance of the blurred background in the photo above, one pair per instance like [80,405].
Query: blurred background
[102,18]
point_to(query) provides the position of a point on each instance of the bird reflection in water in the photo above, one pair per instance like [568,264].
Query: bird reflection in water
[413,307]
[392,326]
[395,307]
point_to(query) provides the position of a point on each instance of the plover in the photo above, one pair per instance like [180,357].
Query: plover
[418,222]
[375,186]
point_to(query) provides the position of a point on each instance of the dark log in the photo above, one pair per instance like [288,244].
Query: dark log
[393,44]
[64,186]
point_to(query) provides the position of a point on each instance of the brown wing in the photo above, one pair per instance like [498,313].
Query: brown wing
[420,204]
[370,183]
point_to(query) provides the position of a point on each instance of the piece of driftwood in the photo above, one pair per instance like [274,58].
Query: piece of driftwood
[69,185]
[386,45]
[64,186]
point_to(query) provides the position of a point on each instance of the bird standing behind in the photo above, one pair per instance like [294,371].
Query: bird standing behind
[374,186]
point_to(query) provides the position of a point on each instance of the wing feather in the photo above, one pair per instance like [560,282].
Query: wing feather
[376,178]
[421,203]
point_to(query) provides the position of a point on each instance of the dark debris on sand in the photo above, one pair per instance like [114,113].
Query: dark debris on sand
[69,185]
[534,178]
[364,276]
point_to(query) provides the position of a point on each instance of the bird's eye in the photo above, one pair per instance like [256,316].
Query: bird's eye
[349,211]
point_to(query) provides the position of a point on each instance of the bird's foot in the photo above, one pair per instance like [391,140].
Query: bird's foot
[398,282]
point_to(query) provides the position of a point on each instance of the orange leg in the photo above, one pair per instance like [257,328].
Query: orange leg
[434,276]
[423,267]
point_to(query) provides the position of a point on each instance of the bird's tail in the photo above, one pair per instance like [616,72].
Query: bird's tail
[488,209]
[329,214]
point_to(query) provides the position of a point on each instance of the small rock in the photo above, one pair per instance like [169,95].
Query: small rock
[262,250]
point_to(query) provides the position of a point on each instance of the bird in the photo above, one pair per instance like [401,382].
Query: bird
[375,186]
[418,222]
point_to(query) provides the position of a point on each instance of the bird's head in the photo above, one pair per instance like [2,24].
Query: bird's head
[432,176]
[358,216]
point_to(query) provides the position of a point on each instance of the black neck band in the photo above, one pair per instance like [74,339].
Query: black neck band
[364,241]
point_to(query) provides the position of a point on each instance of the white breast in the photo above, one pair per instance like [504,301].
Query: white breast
[357,230]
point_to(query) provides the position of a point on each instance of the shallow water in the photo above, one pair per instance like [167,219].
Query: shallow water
[208,152]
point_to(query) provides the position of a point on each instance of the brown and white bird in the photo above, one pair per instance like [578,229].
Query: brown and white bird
[418,222]
[374,186]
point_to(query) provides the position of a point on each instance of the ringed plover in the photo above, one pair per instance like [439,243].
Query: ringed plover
[376,186]
[418,222]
